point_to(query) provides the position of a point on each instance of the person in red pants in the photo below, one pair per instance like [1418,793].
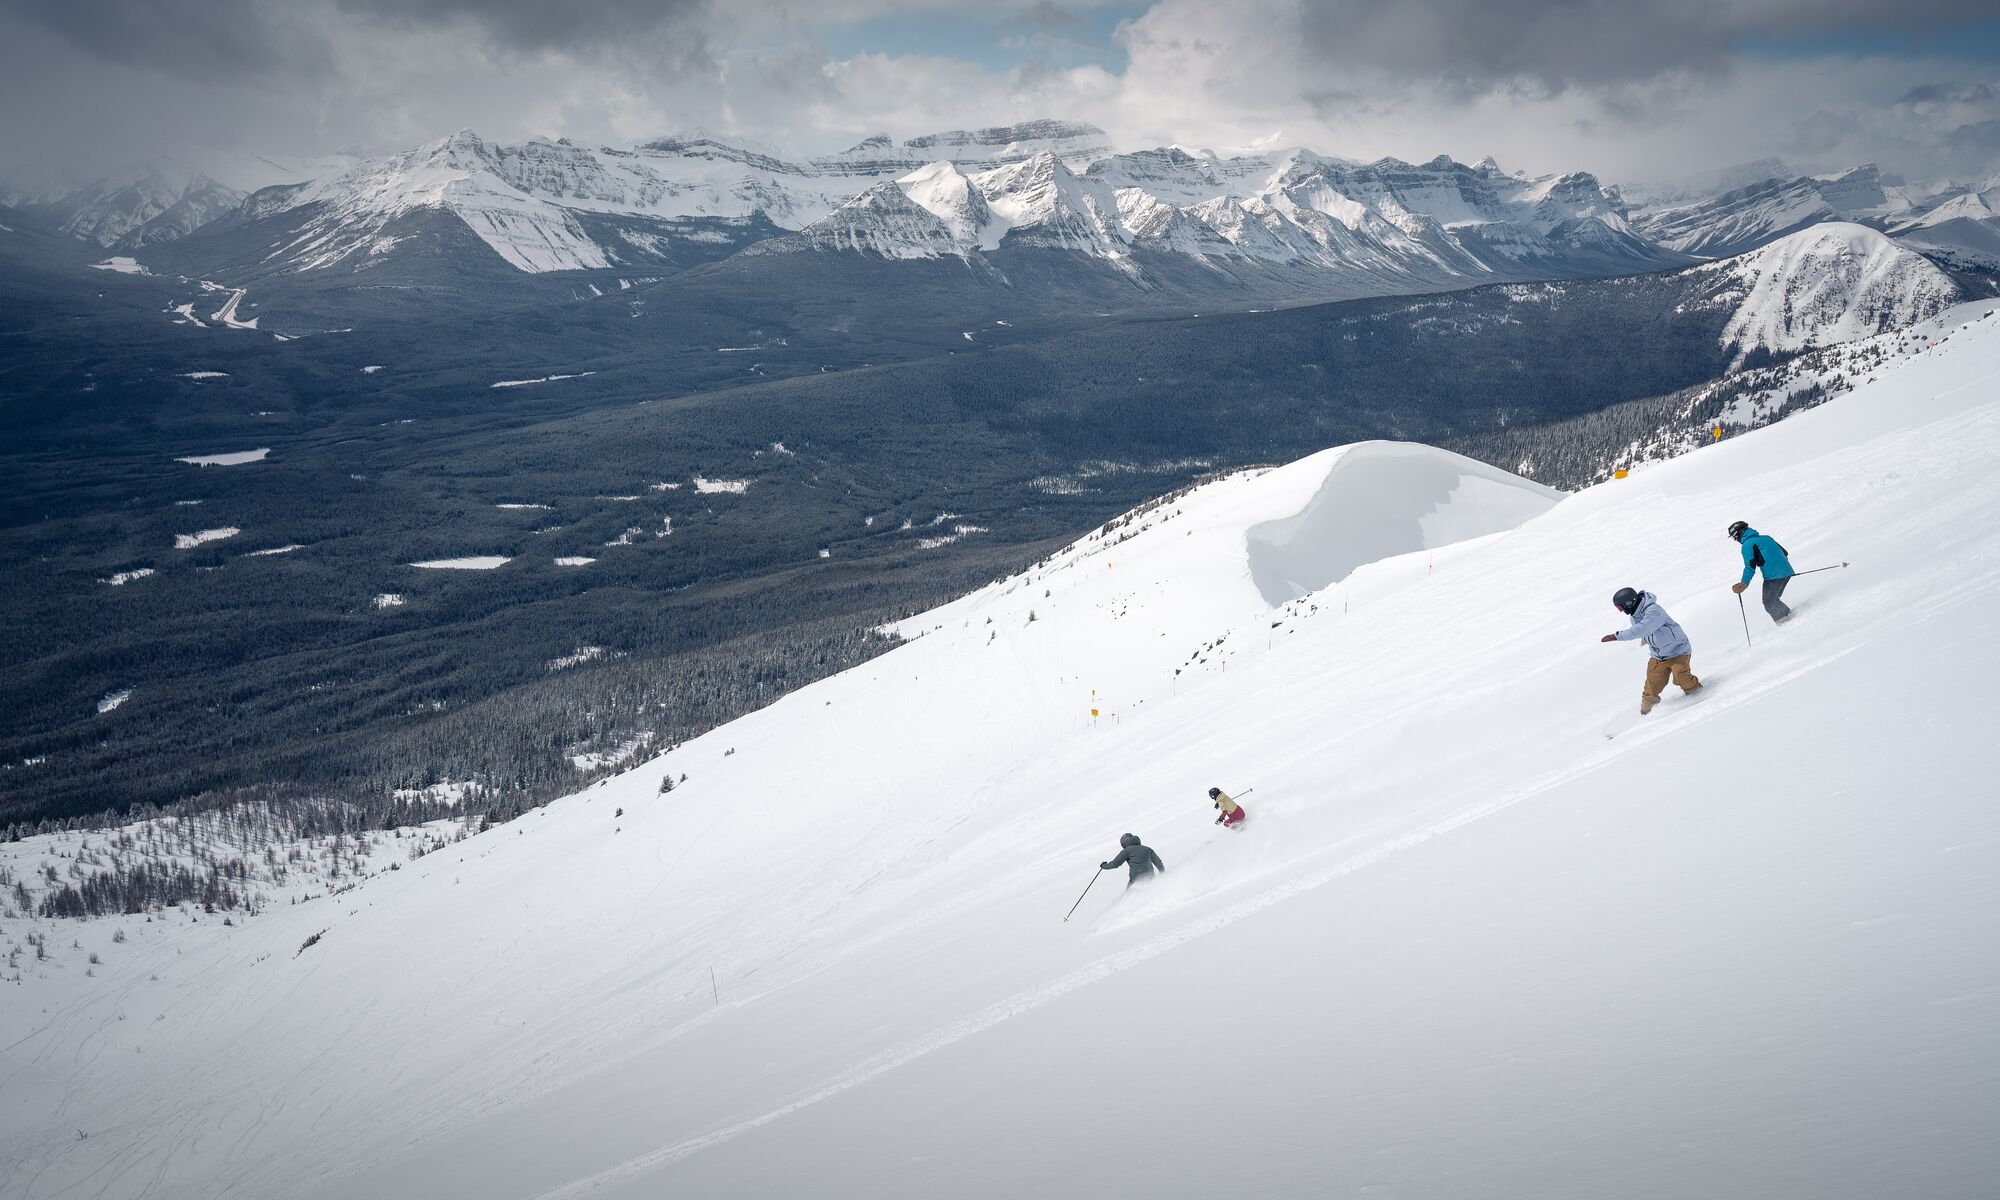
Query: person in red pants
[1232,814]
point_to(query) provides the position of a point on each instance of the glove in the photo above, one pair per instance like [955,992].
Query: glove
[1218,820]
[1104,866]
[1609,637]
[1738,588]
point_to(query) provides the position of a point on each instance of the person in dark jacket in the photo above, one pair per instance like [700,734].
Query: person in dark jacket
[1763,553]
[1138,858]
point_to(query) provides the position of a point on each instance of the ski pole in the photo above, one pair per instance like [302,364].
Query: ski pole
[1079,899]
[1817,570]
[1745,614]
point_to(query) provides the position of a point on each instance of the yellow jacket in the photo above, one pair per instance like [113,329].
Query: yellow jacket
[1223,802]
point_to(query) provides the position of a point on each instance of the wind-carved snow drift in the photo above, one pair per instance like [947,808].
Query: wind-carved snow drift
[1379,500]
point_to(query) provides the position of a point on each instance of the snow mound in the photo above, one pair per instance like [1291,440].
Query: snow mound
[1830,283]
[1382,499]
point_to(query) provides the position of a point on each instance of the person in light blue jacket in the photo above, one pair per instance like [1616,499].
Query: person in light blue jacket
[1762,553]
[1672,655]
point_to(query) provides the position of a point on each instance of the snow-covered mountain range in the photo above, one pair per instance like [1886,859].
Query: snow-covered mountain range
[1289,216]
[159,201]
[1746,214]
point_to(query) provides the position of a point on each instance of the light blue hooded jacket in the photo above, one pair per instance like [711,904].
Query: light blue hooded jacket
[1760,550]
[1662,634]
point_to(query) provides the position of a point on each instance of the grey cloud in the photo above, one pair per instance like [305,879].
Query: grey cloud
[1975,146]
[1930,95]
[537,25]
[193,39]
[1044,14]
[1472,46]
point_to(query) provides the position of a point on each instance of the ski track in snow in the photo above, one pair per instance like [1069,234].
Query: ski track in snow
[1033,998]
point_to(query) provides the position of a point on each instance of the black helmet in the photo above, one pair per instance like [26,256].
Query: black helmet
[1214,792]
[1738,528]
[1626,601]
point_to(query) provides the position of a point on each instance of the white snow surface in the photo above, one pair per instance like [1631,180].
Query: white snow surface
[1835,282]
[234,458]
[1466,946]
[514,383]
[188,541]
[475,562]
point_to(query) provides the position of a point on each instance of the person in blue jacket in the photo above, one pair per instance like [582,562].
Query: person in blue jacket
[1763,553]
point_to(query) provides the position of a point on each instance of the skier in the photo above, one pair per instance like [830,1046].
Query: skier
[1232,814]
[1672,655]
[1139,859]
[1761,552]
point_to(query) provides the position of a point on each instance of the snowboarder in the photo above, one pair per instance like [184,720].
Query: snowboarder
[1672,655]
[1139,859]
[1232,814]
[1761,552]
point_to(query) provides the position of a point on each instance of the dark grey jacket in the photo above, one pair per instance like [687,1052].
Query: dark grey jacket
[1140,860]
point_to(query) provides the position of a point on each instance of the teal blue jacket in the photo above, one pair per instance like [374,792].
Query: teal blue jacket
[1765,552]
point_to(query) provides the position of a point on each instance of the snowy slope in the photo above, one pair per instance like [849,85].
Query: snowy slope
[1467,946]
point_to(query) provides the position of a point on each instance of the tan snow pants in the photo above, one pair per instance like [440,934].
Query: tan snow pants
[1658,670]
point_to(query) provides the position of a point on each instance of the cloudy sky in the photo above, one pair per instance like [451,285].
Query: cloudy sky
[1633,89]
